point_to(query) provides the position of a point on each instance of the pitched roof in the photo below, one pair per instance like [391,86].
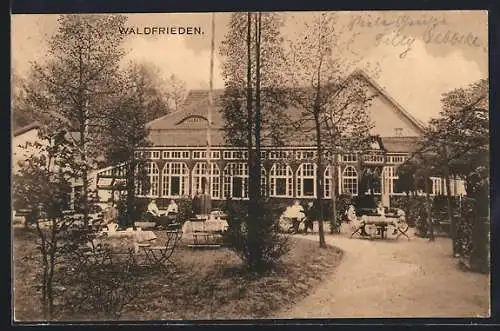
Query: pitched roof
[187,127]
[26,128]
[400,144]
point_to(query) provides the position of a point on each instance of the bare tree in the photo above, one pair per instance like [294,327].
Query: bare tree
[176,91]
[250,104]
[332,98]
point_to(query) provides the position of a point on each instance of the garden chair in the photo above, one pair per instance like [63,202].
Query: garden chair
[159,256]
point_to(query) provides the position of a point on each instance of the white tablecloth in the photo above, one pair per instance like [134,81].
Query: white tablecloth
[377,219]
[126,239]
[212,225]
[137,236]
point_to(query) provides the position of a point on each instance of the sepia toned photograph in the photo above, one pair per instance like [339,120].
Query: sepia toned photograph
[250,165]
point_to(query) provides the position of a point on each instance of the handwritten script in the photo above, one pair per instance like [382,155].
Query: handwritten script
[431,29]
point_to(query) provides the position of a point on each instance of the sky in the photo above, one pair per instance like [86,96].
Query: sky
[415,59]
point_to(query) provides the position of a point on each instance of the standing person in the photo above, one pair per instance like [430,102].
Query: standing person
[297,215]
[310,217]
[197,204]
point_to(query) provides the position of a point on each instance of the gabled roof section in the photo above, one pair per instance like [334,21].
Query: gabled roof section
[360,73]
[400,144]
[195,105]
[26,128]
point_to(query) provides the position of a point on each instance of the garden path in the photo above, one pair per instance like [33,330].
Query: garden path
[394,278]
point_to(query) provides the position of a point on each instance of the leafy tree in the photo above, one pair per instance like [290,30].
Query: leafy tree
[334,101]
[125,130]
[456,144]
[413,176]
[20,115]
[241,77]
[44,183]
[70,90]
[158,95]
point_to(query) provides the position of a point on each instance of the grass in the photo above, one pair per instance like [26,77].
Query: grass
[205,284]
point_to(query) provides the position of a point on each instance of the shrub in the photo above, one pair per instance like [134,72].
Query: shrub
[185,209]
[472,236]
[99,282]
[418,215]
[366,201]
[256,241]
[403,202]
[342,203]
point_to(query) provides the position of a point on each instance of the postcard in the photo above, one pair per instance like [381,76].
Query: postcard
[250,165]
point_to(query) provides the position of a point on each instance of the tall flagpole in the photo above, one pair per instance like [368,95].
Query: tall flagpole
[210,106]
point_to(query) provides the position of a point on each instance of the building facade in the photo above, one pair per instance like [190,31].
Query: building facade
[177,163]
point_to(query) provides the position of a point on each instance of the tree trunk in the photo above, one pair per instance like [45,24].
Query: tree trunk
[428,208]
[334,193]
[319,179]
[257,126]
[113,171]
[130,182]
[452,220]
[51,269]
[43,285]
[251,236]
[83,130]
[257,193]
[249,101]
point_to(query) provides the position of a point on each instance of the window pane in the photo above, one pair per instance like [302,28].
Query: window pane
[176,185]
[280,186]
[237,187]
[308,187]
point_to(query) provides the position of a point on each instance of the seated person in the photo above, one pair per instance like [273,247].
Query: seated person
[153,210]
[110,214]
[172,210]
[401,219]
[351,214]
[380,212]
[380,209]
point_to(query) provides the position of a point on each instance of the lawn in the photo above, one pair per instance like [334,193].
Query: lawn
[205,284]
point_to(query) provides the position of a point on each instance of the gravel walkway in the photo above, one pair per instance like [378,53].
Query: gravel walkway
[395,278]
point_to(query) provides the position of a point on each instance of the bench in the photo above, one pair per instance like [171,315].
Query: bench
[205,239]
[443,226]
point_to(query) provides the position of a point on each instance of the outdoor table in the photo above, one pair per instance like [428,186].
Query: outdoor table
[201,225]
[381,223]
[205,232]
[127,238]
